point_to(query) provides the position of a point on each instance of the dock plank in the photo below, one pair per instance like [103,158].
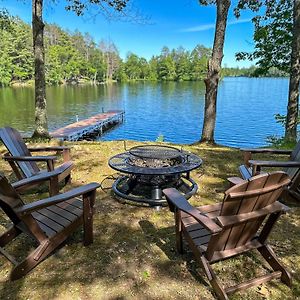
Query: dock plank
[95,124]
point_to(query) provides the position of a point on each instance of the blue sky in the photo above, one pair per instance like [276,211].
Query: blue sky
[171,23]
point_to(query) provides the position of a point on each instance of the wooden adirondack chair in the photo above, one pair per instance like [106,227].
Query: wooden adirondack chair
[220,231]
[291,167]
[25,165]
[49,221]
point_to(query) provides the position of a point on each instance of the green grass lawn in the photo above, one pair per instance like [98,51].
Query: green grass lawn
[133,255]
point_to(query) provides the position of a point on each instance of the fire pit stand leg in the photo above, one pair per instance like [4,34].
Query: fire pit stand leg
[156,194]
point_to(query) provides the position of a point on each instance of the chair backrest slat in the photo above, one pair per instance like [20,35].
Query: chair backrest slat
[250,228]
[295,156]
[9,201]
[257,193]
[236,205]
[15,145]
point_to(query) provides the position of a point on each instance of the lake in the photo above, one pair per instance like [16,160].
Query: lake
[245,111]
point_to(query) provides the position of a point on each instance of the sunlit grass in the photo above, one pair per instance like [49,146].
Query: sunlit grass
[133,255]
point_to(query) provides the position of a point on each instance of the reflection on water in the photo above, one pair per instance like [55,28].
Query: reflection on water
[246,108]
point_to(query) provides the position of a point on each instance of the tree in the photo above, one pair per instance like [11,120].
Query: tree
[41,122]
[166,68]
[199,57]
[132,66]
[153,65]
[277,44]
[16,59]
[182,62]
[79,7]
[272,48]
[144,68]
[213,70]
[293,101]
[73,57]
[111,58]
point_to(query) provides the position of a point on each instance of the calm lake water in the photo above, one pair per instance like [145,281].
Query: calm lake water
[245,112]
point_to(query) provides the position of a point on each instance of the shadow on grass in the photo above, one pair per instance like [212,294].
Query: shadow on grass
[120,259]
[133,255]
[243,267]
[164,238]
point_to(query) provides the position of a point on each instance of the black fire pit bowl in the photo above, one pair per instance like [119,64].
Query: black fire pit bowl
[151,168]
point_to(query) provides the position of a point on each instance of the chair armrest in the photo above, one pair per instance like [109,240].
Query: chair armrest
[257,164]
[267,150]
[270,163]
[247,153]
[43,176]
[29,208]
[66,151]
[36,178]
[52,148]
[48,159]
[235,180]
[29,158]
[182,204]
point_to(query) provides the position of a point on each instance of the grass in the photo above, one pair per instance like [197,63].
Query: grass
[133,255]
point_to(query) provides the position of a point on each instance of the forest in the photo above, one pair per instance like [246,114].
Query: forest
[73,57]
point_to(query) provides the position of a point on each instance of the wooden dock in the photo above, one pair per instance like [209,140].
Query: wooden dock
[89,128]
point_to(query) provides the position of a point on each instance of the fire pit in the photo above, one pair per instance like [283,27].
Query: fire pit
[151,168]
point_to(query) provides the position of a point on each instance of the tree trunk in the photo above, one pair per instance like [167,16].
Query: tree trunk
[95,77]
[213,73]
[41,124]
[293,102]
[107,66]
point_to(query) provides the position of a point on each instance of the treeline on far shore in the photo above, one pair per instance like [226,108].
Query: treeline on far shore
[73,57]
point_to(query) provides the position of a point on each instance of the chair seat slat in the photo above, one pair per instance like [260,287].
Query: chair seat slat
[62,212]
[70,208]
[75,202]
[47,221]
[54,217]
[48,231]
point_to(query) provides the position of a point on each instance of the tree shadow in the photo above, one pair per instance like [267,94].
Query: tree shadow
[120,256]
[133,255]
[255,265]
[164,238]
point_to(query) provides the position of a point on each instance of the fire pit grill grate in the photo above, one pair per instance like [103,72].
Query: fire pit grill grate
[155,152]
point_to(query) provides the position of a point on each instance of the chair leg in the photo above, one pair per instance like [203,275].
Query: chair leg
[216,285]
[66,155]
[68,179]
[88,203]
[179,234]
[269,255]
[53,186]
[9,235]
[292,196]
[32,260]
[179,242]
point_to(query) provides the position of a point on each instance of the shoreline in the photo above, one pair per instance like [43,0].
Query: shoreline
[30,83]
